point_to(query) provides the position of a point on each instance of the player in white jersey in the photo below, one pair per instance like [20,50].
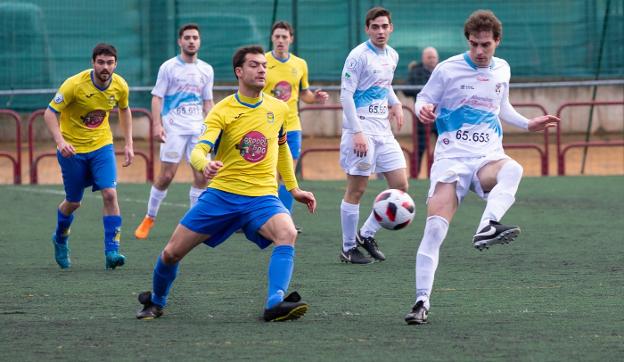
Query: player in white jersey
[467,96]
[181,98]
[368,145]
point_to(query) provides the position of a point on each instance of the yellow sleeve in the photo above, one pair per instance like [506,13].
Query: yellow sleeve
[305,84]
[213,125]
[285,163]
[63,97]
[199,156]
[124,101]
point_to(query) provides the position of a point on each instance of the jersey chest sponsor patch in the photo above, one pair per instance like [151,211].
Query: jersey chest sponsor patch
[253,146]
[94,119]
[282,91]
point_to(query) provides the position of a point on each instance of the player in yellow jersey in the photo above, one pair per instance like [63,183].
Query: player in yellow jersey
[287,80]
[247,131]
[85,151]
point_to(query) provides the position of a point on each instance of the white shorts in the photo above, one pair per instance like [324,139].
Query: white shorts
[177,146]
[384,155]
[463,171]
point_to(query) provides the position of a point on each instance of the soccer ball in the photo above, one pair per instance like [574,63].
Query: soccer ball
[394,209]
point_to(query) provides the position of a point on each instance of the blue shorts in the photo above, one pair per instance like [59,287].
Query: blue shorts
[294,143]
[97,168]
[219,214]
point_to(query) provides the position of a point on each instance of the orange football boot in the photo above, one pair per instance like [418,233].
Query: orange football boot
[142,232]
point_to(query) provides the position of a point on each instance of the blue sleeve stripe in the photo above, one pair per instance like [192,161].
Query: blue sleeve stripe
[207,143]
[53,110]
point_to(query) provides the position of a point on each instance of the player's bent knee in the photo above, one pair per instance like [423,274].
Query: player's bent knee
[513,169]
[73,206]
[170,257]
[286,236]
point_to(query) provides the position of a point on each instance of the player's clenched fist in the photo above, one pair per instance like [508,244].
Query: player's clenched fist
[427,113]
[211,169]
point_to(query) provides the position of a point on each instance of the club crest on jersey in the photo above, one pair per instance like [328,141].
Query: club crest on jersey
[253,146]
[270,117]
[112,101]
[94,119]
[352,64]
[58,98]
[498,87]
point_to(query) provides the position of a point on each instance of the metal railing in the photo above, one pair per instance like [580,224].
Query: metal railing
[562,150]
[34,161]
[17,160]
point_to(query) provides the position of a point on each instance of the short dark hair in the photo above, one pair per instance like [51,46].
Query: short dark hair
[239,56]
[376,12]
[280,24]
[483,20]
[104,49]
[186,27]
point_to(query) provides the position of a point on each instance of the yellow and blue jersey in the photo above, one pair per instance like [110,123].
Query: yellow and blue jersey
[285,78]
[246,134]
[84,109]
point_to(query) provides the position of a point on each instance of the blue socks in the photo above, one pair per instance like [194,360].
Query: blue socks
[280,272]
[62,227]
[112,232]
[164,275]
[285,197]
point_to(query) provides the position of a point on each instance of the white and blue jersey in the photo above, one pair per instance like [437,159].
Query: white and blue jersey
[468,102]
[183,87]
[368,73]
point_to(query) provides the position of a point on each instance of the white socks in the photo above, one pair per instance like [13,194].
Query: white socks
[194,194]
[349,217]
[503,194]
[155,199]
[370,227]
[436,228]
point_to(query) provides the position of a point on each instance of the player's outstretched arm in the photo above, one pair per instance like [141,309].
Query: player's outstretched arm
[542,122]
[304,197]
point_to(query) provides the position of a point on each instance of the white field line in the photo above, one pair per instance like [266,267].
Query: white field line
[87,195]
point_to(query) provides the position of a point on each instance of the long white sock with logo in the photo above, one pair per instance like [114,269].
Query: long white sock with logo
[155,199]
[427,256]
[503,194]
[349,217]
